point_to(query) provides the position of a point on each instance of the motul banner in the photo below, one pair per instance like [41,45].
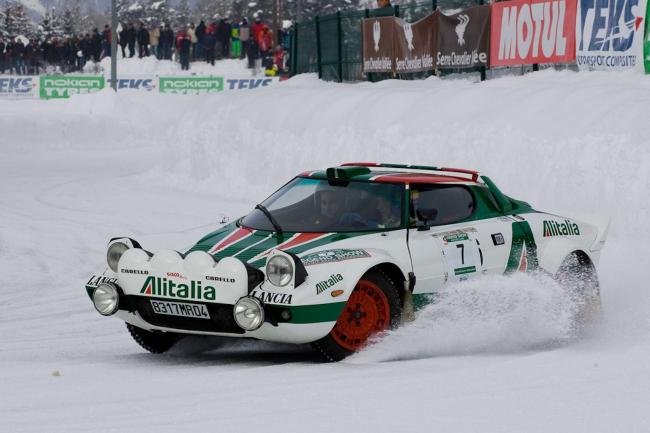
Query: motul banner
[378,44]
[463,38]
[415,43]
[610,34]
[533,31]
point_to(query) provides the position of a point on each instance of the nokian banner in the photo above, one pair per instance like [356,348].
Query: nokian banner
[610,34]
[533,31]
[463,38]
[54,87]
[190,85]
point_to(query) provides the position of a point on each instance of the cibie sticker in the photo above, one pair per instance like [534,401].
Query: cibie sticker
[329,256]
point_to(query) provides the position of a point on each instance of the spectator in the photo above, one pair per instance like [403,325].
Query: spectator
[106,41]
[252,52]
[256,28]
[154,40]
[143,41]
[223,38]
[184,51]
[96,44]
[167,42]
[131,36]
[265,43]
[3,56]
[278,59]
[244,36]
[191,32]
[124,38]
[177,42]
[18,52]
[384,4]
[85,47]
[200,33]
[235,42]
[209,46]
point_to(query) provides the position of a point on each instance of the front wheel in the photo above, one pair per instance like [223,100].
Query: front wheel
[373,306]
[153,341]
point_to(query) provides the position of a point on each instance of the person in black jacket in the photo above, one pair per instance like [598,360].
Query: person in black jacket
[3,56]
[185,48]
[85,46]
[167,42]
[200,33]
[124,37]
[223,38]
[143,41]
[96,45]
[130,39]
[209,42]
[18,54]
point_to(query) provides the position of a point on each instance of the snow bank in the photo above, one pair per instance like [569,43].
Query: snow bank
[152,66]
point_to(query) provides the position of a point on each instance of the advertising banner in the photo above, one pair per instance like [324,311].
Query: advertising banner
[23,87]
[64,86]
[190,85]
[415,43]
[249,83]
[143,83]
[610,34]
[464,38]
[378,41]
[646,43]
[533,31]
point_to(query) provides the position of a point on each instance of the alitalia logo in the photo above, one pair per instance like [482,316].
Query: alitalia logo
[566,228]
[324,285]
[157,286]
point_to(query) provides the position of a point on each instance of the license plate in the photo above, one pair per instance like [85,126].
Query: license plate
[198,311]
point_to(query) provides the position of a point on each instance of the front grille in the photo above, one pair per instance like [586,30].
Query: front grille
[221,317]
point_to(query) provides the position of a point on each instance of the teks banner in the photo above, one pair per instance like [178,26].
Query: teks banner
[533,31]
[610,34]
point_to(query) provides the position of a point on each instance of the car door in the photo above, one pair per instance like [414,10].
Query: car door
[450,240]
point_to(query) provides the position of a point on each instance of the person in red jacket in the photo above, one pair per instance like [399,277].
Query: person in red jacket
[256,29]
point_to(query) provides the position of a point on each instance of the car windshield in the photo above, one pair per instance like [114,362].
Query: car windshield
[316,205]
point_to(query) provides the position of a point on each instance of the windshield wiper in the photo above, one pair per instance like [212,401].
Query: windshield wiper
[266,213]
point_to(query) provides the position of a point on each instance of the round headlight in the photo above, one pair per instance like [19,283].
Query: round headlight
[249,313]
[106,299]
[279,270]
[114,253]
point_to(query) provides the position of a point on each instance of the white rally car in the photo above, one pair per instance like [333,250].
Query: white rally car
[337,255]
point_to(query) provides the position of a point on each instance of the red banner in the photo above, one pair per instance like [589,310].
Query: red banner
[533,31]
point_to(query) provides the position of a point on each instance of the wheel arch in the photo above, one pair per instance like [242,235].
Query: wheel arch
[392,271]
[556,252]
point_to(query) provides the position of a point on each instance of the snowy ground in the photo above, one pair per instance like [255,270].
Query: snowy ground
[164,168]
[152,66]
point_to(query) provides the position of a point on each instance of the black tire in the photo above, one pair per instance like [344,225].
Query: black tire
[153,341]
[578,277]
[332,347]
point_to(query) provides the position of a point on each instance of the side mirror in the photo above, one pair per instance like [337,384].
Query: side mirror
[426,215]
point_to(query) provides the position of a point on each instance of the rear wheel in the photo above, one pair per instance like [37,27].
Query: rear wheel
[578,276]
[153,341]
[373,306]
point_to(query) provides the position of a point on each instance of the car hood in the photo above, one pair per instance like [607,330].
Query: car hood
[252,246]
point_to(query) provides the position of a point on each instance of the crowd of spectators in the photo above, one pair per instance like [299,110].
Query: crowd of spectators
[209,42]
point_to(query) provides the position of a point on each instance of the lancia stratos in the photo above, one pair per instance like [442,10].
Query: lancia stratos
[337,255]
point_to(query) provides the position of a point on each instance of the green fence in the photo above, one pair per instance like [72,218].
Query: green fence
[330,45]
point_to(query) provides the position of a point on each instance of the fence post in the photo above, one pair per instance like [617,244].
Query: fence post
[340,46]
[318,49]
[294,49]
[434,5]
[396,10]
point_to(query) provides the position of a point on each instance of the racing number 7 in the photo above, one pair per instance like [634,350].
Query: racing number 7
[462,252]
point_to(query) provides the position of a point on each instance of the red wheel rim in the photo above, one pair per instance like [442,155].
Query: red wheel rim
[366,312]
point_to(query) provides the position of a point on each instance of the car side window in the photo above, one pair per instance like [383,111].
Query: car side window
[440,205]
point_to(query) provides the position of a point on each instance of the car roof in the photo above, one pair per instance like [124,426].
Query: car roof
[395,173]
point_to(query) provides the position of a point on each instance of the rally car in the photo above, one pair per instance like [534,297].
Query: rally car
[337,255]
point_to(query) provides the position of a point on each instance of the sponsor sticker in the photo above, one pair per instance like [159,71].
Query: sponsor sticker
[497,239]
[271,297]
[190,85]
[330,256]
[59,87]
[324,285]
[566,228]
[167,288]
[96,280]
